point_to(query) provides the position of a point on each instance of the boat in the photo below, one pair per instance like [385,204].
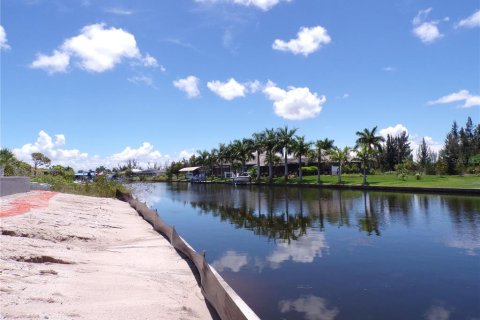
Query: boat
[243,177]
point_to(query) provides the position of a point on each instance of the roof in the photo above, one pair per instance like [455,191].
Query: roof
[189,169]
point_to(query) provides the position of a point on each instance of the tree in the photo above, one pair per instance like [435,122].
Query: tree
[340,156]
[450,155]
[7,159]
[243,150]
[321,146]
[364,155]
[285,140]
[39,160]
[300,148]
[271,147]
[371,142]
[424,155]
[259,147]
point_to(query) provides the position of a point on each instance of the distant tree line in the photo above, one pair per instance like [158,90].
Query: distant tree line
[372,153]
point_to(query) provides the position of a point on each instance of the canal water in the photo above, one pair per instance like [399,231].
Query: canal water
[294,253]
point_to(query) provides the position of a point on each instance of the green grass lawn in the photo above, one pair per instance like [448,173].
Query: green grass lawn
[467,181]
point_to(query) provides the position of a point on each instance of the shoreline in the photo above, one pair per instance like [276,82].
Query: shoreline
[406,189]
[91,258]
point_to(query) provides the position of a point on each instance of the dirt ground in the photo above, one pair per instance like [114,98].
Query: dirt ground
[75,257]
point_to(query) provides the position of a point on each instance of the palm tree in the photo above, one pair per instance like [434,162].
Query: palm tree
[364,155]
[285,139]
[340,156]
[258,146]
[271,147]
[321,146]
[300,148]
[370,140]
[221,157]
[243,150]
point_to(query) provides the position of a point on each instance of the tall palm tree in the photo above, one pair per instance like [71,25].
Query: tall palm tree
[322,146]
[364,155]
[340,156]
[243,150]
[300,148]
[370,140]
[221,157]
[271,147]
[259,147]
[285,140]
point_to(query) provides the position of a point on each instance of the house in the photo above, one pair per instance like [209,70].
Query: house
[194,173]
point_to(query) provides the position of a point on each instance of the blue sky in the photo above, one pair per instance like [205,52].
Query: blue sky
[90,82]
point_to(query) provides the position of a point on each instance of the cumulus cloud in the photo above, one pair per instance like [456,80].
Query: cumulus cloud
[393,131]
[426,31]
[294,103]
[3,39]
[227,90]
[470,22]
[50,148]
[464,96]
[308,40]
[231,260]
[313,307]
[145,155]
[57,62]
[264,5]
[189,85]
[96,49]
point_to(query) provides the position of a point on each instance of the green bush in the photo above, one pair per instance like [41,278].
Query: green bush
[309,171]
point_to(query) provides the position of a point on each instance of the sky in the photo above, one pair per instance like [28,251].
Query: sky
[103,82]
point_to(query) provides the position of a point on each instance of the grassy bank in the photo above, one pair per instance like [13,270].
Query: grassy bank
[100,187]
[385,180]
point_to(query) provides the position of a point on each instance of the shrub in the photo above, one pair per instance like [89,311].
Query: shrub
[309,171]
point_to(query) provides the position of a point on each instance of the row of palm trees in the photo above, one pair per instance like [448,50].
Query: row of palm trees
[284,141]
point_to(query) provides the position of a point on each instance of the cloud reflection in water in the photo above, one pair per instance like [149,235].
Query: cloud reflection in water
[313,307]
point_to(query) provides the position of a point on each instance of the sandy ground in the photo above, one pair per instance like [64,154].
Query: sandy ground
[81,257]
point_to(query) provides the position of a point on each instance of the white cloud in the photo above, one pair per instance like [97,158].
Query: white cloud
[468,99]
[142,79]
[393,131]
[95,49]
[3,39]
[470,22]
[231,260]
[149,61]
[426,31]
[264,5]
[119,11]
[189,85]
[314,308]
[57,62]
[227,90]
[45,145]
[308,41]
[294,103]
[254,86]
[145,155]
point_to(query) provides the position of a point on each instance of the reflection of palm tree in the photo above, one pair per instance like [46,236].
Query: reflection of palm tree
[369,224]
[321,146]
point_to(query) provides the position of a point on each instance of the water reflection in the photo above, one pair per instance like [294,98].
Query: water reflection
[289,214]
[231,260]
[313,308]
[437,312]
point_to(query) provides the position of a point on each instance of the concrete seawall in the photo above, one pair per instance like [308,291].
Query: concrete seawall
[12,185]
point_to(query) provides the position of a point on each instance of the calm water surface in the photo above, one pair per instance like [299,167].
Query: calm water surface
[328,254]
